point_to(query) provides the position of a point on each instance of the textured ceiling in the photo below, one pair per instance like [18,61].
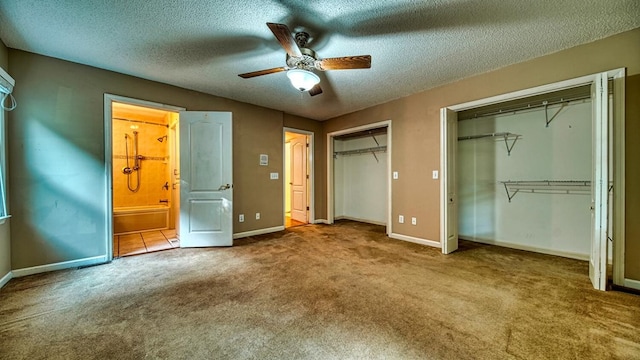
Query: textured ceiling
[203,45]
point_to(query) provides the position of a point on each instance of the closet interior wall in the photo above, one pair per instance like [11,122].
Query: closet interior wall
[360,177]
[549,217]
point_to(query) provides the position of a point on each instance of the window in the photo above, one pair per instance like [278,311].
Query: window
[8,103]
[3,194]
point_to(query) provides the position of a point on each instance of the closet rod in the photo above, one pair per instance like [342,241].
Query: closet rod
[140,121]
[530,106]
[360,151]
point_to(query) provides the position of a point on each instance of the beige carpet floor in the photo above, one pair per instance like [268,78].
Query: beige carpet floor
[320,292]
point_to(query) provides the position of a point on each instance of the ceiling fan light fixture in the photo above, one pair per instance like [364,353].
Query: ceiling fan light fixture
[303,80]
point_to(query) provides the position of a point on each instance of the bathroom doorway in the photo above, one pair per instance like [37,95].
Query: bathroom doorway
[145,175]
[298,165]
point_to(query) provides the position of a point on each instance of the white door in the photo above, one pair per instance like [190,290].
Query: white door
[599,183]
[299,178]
[206,193]
[449,140]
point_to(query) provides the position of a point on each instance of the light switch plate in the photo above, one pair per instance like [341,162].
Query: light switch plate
[395,175]
[414,221]
[257,216]
[274,176]
[401,219]
[435,174]
[241,218]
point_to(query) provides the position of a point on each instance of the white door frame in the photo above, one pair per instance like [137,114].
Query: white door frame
[330,186]
[174,161]
[108,154]
[310,166]
[618,154]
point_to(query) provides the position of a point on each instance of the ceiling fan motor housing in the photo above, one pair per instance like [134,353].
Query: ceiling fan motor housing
[305,62]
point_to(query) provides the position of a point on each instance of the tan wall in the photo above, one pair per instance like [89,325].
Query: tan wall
[632,178]
[5,238]
[57,156]
[416,129]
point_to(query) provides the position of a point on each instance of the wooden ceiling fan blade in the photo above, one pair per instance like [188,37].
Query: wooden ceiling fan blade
[262,72]
[283,34]
[316,90]
[346,62]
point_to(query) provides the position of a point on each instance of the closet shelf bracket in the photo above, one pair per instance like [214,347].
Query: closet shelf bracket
[546,113]
[507,136]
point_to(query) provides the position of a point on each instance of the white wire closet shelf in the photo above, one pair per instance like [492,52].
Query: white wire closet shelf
[547,187]
[371,150]
[506,136]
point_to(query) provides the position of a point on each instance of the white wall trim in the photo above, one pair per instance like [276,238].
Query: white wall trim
[60,266]
[360,220]
[310,164]
[258,232]
[416,240]
[321,221]
[5,279]
[330,195]
[566,254]
[524,93]
[108,156]
[632,284]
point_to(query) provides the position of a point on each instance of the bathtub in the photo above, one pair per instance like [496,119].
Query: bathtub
[140,218]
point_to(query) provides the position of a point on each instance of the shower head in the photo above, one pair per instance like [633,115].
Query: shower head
[161,138]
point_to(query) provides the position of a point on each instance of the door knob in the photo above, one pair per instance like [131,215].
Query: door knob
[224,187]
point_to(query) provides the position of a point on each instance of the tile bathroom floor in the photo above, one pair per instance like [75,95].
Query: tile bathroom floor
[144,242]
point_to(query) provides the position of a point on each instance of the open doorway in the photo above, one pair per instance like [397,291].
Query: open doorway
[298,177]
[142,147]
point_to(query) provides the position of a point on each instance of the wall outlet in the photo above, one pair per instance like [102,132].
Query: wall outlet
[434,174]
[274,176]
[241,218]
[414,221]
[395,175]
[257,216]
[401,219]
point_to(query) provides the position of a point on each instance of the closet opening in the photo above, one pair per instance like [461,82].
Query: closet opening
[524,173]
[298,178]
[359,174]
[540,170]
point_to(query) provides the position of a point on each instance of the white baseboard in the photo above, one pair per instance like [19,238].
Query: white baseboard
[321,221]
[258,232]
[632,284]
[5,279]
[360,220]
[567,254]
[416,240]
[60,266]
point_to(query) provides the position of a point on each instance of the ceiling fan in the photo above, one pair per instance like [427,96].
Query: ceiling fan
[301,61]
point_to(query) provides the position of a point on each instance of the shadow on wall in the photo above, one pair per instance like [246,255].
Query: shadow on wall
[60,211]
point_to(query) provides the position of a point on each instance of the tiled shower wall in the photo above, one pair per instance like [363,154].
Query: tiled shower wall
[153,167]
